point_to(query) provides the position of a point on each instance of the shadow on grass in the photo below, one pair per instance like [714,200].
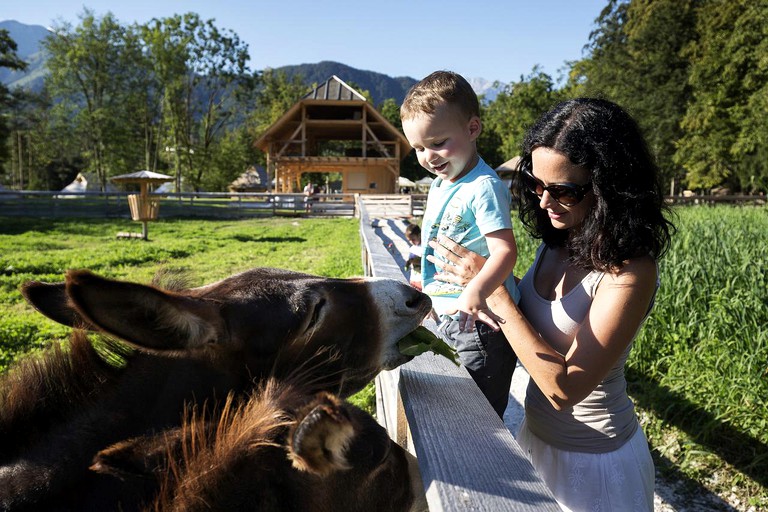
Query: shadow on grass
[71,226]
[268,239]
[744,452]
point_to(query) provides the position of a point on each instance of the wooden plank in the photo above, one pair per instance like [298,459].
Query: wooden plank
[468,458]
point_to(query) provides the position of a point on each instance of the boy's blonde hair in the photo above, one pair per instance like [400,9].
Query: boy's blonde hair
[440,87]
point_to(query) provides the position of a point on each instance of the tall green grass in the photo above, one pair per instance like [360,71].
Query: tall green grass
[699,368]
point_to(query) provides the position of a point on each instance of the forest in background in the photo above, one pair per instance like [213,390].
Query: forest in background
[175,95]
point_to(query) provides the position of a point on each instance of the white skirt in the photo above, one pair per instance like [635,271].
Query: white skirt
[621,480]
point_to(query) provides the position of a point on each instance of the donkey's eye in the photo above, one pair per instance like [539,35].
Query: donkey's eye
[316,313]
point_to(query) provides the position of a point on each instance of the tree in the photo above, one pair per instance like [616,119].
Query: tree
[514,110]
[276,94]
[202,71]
[8,59]
[88,65]
[409,166]
[637,60]
[725,126]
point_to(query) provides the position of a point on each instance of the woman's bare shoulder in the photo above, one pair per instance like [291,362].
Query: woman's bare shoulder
[635,271]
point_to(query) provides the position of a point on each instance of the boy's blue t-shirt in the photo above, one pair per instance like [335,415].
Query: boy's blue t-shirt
[464,211]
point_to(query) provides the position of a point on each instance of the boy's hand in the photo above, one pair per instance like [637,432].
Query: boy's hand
[472,307]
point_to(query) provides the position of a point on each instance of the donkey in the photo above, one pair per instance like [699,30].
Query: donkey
[187,347]
[284,450]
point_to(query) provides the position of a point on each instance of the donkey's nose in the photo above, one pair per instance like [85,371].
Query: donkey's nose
[415,301]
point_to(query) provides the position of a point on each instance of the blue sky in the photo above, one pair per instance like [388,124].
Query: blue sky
[491,39]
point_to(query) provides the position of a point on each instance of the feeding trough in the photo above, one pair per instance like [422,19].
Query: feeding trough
[143,207]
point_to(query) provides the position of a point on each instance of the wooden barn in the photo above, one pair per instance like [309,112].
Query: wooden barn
[333,129]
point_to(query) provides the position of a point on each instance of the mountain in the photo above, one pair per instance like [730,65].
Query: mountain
[482,87]
[28,40]
[379,85]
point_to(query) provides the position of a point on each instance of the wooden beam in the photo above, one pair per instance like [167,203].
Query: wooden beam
[364,128]
[290,140]
[381,147]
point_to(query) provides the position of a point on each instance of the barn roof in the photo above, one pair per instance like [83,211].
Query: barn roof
[333,94]
[334,89]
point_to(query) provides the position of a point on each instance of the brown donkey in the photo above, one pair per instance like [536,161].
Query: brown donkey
[284,450]
[187,347]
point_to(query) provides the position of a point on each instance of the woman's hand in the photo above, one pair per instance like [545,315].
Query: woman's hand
[465,264]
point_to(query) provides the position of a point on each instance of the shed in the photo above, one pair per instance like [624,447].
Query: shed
[334,129]
[507,170]
[254,179]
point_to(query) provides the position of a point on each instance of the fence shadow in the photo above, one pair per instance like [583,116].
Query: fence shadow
[744,452]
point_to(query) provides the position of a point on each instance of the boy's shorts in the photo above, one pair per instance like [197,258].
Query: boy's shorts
[487,356]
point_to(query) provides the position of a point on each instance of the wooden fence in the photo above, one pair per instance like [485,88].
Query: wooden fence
[468,458]
[205,204]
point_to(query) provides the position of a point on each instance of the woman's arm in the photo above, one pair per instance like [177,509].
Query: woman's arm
[617,311]
[498,266]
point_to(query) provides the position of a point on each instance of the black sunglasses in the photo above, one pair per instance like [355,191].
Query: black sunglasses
[566,194]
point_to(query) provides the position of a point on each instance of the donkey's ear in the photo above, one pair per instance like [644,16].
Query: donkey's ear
[141,456]
[51,300]
[319,440]
[144,316]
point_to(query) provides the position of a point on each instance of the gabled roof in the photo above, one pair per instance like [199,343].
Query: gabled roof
[334,89]
[336,93]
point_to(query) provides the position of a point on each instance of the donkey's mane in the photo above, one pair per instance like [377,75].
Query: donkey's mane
[216,442]
[44,389]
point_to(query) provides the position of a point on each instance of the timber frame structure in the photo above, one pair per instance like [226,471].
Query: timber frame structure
[334,129]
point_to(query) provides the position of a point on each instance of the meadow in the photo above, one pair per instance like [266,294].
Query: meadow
[698,372]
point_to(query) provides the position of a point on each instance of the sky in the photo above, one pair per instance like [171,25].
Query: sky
[491,39]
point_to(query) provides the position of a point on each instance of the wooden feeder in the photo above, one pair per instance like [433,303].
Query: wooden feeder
[143,207]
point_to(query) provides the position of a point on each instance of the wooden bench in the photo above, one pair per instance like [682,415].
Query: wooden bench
[468,458]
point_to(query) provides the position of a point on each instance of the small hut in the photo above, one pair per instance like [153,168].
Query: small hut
[84,182]
[254,179]
[507,170]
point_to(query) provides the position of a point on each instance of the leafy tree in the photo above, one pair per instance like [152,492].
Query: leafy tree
[513,111]
[276,94]
[202,70]
[409,166]
[8,59]
[725,123]
[637,60]
[88,70]
[232,155]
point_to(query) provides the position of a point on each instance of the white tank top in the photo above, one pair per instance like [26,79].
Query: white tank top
[605,419]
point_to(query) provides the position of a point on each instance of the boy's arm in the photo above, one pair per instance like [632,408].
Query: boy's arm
[500,264]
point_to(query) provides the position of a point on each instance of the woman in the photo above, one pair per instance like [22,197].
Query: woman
[589,189]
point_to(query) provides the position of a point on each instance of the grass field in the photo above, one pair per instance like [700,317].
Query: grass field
[698,372]
[205,251]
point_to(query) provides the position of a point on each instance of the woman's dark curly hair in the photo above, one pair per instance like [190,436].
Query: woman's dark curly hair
[628,218]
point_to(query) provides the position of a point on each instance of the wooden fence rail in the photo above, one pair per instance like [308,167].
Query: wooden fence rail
[216,205]
[199,204]
[468,458]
